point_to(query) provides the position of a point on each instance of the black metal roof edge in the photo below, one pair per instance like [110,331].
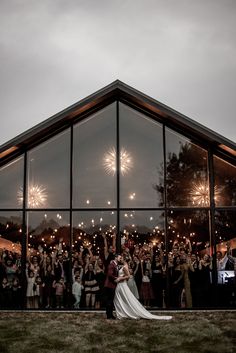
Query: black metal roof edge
[179,116]
[58,117]
[116,90]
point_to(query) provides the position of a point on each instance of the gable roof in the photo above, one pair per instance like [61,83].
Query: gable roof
[117,90]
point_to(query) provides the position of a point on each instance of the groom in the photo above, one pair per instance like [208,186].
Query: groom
[110,285]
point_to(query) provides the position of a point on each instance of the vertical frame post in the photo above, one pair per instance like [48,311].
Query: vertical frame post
[167,296]
[212,220]
[24,229]
[118,236]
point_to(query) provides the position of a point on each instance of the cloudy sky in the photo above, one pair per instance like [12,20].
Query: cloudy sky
[55,52]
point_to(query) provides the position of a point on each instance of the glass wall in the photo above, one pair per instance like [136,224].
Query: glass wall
[94,160]
[186,172]
[94,244]
[143,247]
[49,173]
[11,280]
[225,233]
[48,266]
[225,183]
[159,219]
[11,184]
[190,262]
[141,160]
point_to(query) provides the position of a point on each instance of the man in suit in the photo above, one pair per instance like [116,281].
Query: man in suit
[110,285]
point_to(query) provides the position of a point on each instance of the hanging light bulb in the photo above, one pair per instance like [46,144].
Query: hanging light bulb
[109,161]
[200,194]
[37,196]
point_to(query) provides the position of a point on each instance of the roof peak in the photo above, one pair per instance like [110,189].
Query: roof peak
[116,90]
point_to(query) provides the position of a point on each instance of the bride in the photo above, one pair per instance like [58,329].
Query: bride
[126,304]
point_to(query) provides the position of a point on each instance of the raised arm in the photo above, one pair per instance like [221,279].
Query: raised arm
[105,245]
[142,267]
[90,253]
[86,264]
[26,270]
[114,242]
[189,245]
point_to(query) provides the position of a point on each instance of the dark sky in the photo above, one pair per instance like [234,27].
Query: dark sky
[54,53]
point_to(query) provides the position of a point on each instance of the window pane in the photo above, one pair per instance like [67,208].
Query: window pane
[48,173]
[226,256]
[94,244]
[11,184]
[186,172]
[141,160]
[48,260]
[94,160]
[10,260]
[142,240]
[225,232]
[225,183]
[189,260]
[90,229]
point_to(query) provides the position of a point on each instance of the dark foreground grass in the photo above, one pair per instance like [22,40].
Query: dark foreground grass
[90,332]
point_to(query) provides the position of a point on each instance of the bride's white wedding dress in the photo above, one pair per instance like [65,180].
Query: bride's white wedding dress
[127,306]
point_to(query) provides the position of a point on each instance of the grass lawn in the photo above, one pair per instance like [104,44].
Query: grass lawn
[90,332]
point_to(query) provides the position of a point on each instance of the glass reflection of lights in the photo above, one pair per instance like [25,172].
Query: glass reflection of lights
[37,196]
[109,161]
[132,196]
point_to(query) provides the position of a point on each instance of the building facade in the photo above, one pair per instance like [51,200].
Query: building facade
[167,203]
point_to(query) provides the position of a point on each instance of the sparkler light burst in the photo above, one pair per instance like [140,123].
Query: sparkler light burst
[109,161]
[37,196]
[200,194]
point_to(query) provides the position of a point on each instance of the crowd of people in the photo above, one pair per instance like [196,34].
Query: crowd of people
[51,280]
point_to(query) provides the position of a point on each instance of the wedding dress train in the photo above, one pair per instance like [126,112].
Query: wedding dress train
[127,306]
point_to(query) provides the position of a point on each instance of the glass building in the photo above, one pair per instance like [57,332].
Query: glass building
[167,203]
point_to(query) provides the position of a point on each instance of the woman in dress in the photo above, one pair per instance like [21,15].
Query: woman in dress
[126,305]
[176,280]
[157,279]
[99,268]
[90,285]
[205,269]
[132,284]
[183,266]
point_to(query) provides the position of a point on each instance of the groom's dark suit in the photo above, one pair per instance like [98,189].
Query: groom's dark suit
[110,286]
